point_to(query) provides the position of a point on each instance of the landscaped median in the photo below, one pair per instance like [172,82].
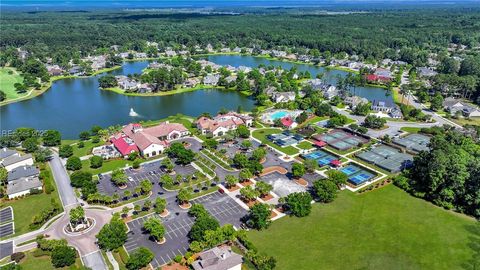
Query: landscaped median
[261,135]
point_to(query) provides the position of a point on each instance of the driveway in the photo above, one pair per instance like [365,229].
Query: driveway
[67,195]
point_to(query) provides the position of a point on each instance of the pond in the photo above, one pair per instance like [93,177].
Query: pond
[330,75]
[76,104]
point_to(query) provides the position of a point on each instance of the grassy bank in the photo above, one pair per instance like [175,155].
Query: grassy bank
[383,229]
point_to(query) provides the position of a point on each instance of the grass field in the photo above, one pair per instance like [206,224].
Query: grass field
[382,229]
[86,149]
[261,134]
[306,145]
[410,129]
[7,81]
[31,262]
[107,166]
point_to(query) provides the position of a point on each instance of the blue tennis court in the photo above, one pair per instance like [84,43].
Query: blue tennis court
[360,178]
[325,161]
[323,158]
[350,169]
[314,155]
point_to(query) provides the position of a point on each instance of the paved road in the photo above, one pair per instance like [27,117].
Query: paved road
[67,195]
[95,261]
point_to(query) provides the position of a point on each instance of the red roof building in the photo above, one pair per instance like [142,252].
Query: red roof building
[287,121]
[335,163]
[320,143]
[124,145]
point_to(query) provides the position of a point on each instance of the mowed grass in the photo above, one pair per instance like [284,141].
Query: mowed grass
[31,262]
[382,229]
[7,81]
[261,134]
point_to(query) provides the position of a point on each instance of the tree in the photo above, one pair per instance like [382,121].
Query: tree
[119,177]
[248,193]
[299,203]
[84,135]
[259,216]
[374,122]
[240,161]
[139,258]
[245,175]
[183,196]
[210,143]
[246,144]
[263,188]
[325,190]
[155,228]
[202,224]
[73,163]
[243,131]
[147,204]
[258,154]
[146,186]
[42,154]
[96,162]
[166,180]
[362,109]
[231,180]
[167,164]
[3,176]
[77,215]
[3,96]
[436,103]
[30,145]
[107,81]
[52,138]
[301,117]
[337,177]
[112,235]
[298,170]
[65,151]
[160,205]
[63,256]
[310,165]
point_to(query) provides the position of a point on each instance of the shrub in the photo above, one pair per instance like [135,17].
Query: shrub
[63,256]
[17,256]
[96,162]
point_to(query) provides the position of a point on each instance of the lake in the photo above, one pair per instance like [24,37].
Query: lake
[76,104]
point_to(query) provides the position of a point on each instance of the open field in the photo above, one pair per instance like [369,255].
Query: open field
[261,134]
[31,262]
[8,77]
[383,229]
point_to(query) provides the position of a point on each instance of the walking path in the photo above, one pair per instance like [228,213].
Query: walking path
[112,260]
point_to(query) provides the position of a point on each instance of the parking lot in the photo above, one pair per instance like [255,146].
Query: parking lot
[223,208]
[282,185]
[150,171]
[7,229]
[6,214]
[177,228]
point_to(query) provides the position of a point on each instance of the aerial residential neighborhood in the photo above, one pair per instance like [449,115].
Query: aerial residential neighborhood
[239,136]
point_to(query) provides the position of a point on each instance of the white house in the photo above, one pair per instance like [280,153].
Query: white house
[15,161]
[218,258]
[23,186]
[223,123]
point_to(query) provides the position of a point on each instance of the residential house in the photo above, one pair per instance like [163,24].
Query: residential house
[54,70]
[455,106]
[383,74]
[218,258]
[140,55]
[76,71]
[426,72]
[5,152]
[281,97]
[223,123]
[330,91]
[385,106]
[13,161]
[211,79]
[191,82]
[126,83]
[396,113]
[288,122]
[231,79]
[353,101]
[278,54]
[23,186]
[22,171]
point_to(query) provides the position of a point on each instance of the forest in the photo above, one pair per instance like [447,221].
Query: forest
[407,35]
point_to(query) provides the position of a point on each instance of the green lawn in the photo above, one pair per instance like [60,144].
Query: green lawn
[261,134]
[410,129]
[31,262]
[86,150]
[382,229]
[8,77]
[107,166]
[306,145]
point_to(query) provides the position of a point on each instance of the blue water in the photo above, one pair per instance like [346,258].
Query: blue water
[330,75]
[278,115]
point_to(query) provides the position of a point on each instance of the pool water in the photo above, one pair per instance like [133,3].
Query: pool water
[278,115]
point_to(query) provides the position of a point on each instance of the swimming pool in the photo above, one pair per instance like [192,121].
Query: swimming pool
[278,115]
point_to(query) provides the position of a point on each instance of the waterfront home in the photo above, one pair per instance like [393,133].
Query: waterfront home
[144,88]
[237,50]
[222,123]
[98,62]
[76,71]
[126,83]
[170,53]
[54,70]
[354,101]
[22,171]
[211,79]
[244,69]
[191,82]
[455,106]
[281,97]
[426,72]
[383,74]
[23,186]
[278,54]
[13,161]
[385,106]
[396,113]
[231,79]
[209,48]
[377,78]
[140,55]
[329,91]
[218,258]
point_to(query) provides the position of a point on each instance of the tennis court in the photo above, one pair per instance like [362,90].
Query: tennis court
[387,158]
[415,142]
[340,139]
[285,138]
[323,158]
[356,174]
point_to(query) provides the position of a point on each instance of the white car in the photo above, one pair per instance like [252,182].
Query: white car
[130,179]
